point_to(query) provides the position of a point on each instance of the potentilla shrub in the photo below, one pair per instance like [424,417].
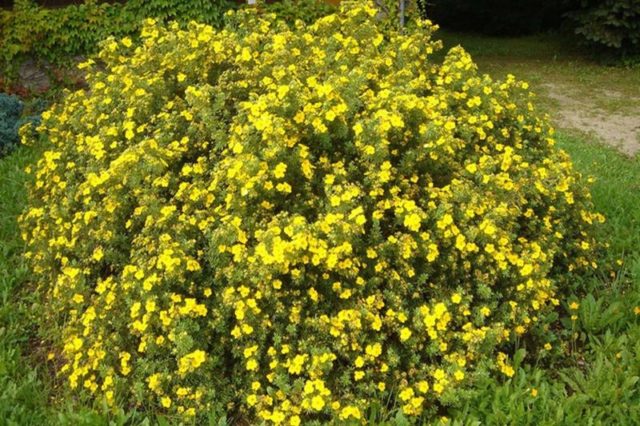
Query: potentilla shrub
[296,224]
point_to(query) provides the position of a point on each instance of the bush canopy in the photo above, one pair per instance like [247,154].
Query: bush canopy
[297,224]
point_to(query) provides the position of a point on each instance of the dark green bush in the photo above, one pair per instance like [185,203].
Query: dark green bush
[10,111]
[497,17]
[613,24]
[13,115]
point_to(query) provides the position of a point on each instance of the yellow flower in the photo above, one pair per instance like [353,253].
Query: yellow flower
[405,334]
[252,400]
[412,222]
[423,386]
[165,401]
[245,55]
[508,370]
[406,394]
[252,365]
[191,361]
[154,382]
[98,254]
[526,270]
[317,403]
[277,417]
[374,350]
[280,170]
[350,412]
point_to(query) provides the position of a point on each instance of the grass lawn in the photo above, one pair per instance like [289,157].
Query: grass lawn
[596,383]
[22,396]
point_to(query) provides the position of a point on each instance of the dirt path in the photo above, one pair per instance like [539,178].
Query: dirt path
[618,127]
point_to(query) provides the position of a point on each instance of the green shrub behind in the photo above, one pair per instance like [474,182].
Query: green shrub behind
[11,119]
[10,112]
[58,35]
[612,24]
[497,17]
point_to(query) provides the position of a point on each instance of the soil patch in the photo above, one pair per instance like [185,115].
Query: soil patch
[619,128]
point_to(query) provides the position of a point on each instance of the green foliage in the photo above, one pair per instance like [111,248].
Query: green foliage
[204,11]
[613,24]
[595,376]
[51,35]
[391,14]
[58,35]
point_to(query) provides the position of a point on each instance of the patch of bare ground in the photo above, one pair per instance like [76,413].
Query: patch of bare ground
[618,127]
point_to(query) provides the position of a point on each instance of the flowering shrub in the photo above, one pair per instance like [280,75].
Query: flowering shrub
[296,224]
